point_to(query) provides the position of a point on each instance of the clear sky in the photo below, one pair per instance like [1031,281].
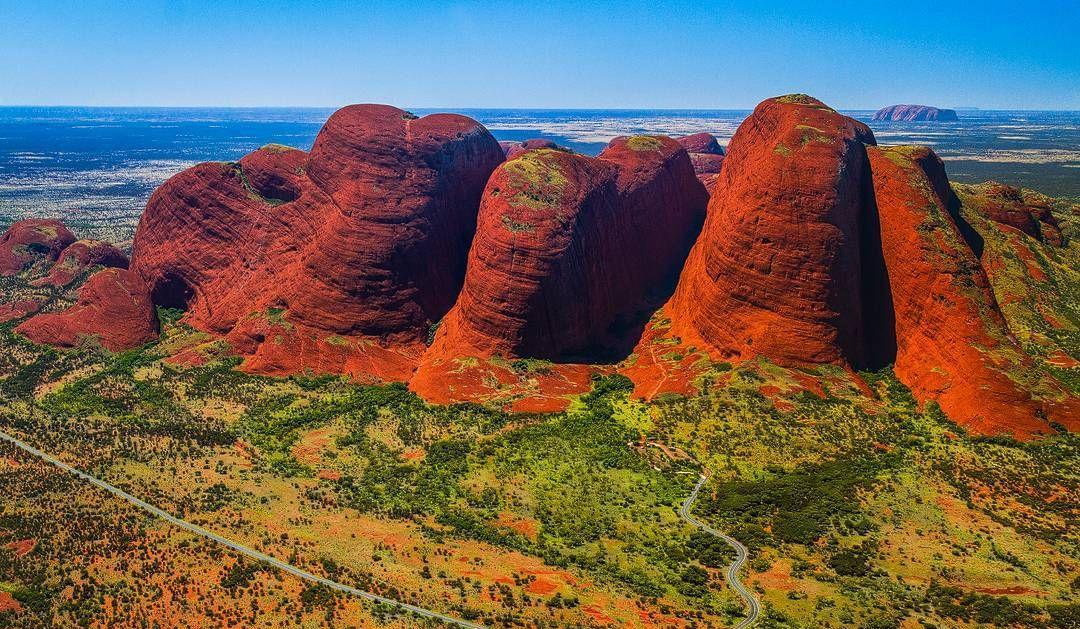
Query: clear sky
[543,53]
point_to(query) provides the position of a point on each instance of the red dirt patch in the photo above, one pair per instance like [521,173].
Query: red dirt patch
[770,390]
[329,475]
[593,611]
[9,312]
[1049,317]
[526,527]
[23,547]
[1063,360]
[662,364]
[188,358]
[544,390]
[8,603]
[1024,253]
[808,382]
[1015,590]
[777,577]
[541,586]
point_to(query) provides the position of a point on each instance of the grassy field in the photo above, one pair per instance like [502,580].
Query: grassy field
[859,509]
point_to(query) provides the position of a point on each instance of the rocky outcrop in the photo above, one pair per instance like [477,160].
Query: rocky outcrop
[540,280]
[706,155]
[787,265]
[1010,207]
[914,113]
[389,259]
[952,343]
[80,257]
[32,239]
[406,249]
[703,143]
[211,243]
[513,149]
[113,307]
[365,237]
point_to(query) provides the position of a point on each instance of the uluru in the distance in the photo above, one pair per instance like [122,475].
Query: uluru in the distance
[627,335]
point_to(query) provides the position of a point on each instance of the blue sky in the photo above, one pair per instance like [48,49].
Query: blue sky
[540,54]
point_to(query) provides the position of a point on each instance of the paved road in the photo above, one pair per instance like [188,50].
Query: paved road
[244,550]
[732,575]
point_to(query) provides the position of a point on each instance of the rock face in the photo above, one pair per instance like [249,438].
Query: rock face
[570,251]
[211,243]
[914,113]
[952,344]
[365,237]
[80,256]
[389,258]
[513,149]
[1009,206]
[706,155]
[32,239]
[113,306]
[787,265]
[704,143]
[397,232]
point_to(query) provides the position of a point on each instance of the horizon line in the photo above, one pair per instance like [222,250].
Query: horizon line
[958,109]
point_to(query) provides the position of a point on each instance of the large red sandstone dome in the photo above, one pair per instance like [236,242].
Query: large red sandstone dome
[113,307]
[785,266]
[818,247]
[570,250]
[706,155]
[32,239]
[360,245]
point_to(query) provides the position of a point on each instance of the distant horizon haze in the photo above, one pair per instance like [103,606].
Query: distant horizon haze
[429,108]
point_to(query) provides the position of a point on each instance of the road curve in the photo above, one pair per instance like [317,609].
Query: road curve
[753,606]
[244,550]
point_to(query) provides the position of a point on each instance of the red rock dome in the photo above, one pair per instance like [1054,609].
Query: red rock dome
[513,149]
[32,239]
[81,256]
[366,236]
[952,343]
[571,254]
[1010,207]
[704,143]
[778,270]
[113,306]
[706,155]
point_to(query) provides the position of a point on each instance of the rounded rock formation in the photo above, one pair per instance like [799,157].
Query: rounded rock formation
[1010,207]
[32,239]
[952,343]
[81,256]
[113,307]
[365,237]
[571,254]
[706,155]
[704,143]
[389,257]
[914,113]
[513,149]
[786,266]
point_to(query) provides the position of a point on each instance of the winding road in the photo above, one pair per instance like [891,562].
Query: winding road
[732,575]
[244,550]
